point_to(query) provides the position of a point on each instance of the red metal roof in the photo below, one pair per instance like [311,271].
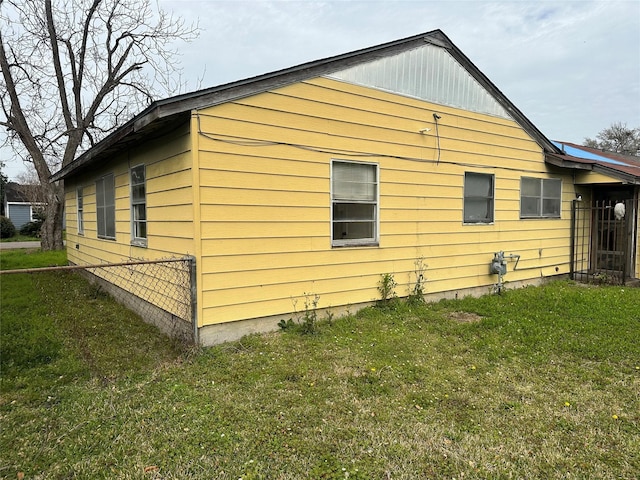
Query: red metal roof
[625,167]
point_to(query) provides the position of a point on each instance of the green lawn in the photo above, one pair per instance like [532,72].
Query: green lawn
[535,383]
[20,238]
[25,238]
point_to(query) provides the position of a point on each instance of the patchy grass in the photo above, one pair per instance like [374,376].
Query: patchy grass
[536,383]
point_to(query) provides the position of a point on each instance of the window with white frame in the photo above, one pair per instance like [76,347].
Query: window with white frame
[106,207]
[138,204]
[478,197]
[354,203]
[80,205]
[540,197]
[36,212]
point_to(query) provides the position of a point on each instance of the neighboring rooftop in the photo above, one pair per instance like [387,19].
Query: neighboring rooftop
[15,193]
[624,167]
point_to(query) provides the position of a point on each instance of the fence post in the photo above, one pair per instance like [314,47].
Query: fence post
[194,296]
[572,237]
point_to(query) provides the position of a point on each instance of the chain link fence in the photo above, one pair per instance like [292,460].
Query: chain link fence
[162,292]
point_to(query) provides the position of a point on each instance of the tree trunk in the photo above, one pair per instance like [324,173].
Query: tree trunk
[51,231]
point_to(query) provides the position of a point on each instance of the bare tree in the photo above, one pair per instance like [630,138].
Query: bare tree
[617,138]
[72,71]
[29,187]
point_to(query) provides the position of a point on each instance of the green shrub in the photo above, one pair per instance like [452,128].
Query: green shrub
[7,230]
[31,229]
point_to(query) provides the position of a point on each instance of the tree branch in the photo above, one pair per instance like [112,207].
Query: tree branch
[53,39]
[85,39]
[17,120]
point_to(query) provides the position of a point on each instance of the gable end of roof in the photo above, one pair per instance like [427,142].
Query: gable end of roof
[177,109]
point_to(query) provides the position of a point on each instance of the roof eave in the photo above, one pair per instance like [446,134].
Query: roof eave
[564,162]
[183,103]
[546,144]
[242,88]
[134,126]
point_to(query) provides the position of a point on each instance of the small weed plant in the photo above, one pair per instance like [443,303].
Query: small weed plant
[387,288]
[416,296]
[307,323]
[310,315]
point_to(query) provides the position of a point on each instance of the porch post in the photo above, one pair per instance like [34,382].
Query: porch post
[572,247]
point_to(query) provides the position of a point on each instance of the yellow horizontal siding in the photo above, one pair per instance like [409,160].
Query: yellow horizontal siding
[592,178]
[331,94]
[264,188]
[327,261]
[392,130]
[251,196]
[413,145]
[169,199]
[339,285]
[446,243]
[265,184]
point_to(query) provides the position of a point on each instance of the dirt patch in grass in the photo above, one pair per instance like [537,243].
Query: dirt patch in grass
[464,317]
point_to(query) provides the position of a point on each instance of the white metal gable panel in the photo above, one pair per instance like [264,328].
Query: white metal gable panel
[429,73]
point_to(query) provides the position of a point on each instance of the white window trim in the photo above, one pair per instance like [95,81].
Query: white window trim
[138,241]
[358,242]
[541,215]
[493,198]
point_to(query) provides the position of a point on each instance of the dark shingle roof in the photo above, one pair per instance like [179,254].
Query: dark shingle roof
[14,192]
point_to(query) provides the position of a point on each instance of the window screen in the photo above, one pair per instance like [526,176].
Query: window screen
[106,207]
[540,197]
[478,197]
[354,193]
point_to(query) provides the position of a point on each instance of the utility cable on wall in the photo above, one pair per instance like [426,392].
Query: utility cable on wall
[247,142]
[437,117]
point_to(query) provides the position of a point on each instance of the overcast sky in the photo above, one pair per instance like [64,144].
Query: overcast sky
[572,67]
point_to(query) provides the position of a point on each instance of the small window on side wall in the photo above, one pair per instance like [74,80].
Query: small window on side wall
[540,197]
[80,204]
[354,203]
[106,207]
[138,205]
[478,197]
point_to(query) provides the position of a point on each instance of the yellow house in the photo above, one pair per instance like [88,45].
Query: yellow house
[308,184]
